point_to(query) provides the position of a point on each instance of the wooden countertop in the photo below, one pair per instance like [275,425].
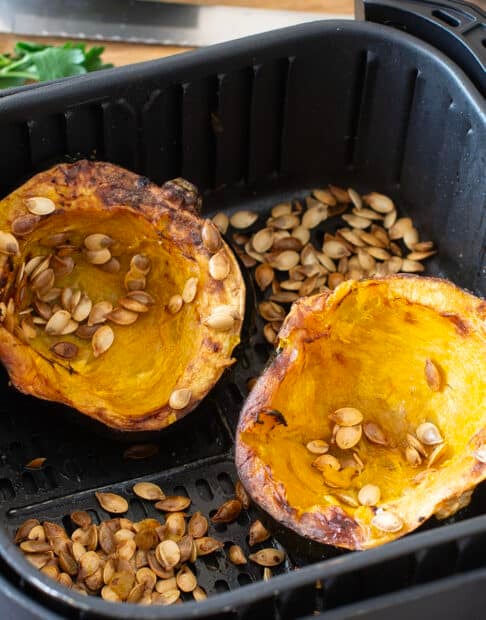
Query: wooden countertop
[127,53]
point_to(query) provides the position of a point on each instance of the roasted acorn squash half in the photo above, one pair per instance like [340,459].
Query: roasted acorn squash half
[117,299]
[371,418]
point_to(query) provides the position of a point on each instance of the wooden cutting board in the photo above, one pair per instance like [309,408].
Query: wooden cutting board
[126,53]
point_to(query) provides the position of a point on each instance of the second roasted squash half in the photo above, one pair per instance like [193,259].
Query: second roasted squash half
[372,416]
[117,299]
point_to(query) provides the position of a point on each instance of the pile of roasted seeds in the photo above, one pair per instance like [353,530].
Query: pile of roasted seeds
[369,241]
[146,562]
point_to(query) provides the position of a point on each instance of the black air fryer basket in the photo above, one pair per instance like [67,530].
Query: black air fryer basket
[251,123]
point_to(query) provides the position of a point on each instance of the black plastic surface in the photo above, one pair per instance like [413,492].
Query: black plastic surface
[251,123]
[456,28]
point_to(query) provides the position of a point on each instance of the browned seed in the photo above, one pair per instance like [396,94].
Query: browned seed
[148,491]
[44,280]
[374,433]
[102,340]
[111,502]
[180,398]
[206,545]
[242,495]
[240,238]
[228,512]
[399,228]
[284,222]
[198,525]
[167,598]
[146,577]
[68,564]
[325,196]
[210,237]
[314,216]
[35,546]
[66,350]
[187,547]
[219,265]
[141,451]
[140,264]
[168,554]
[258,533]
[50,570]
[271,311]
[132,304]
[268,557]
[166,585]
[24,225]
[284,297]
[81,518]
[282,208]
[173,503]
[334,280]
[157,568]
[24,530]
[335,249]
[122,583]
[186,579]
[108,594]
[317,446]
[37,533]
[122,316]
[433,375]
[262,240]
[269,333]
[356,221]
[346,416]
[242,219]
[287,243]
[146,539]
[264,275]
[236,555]
[199,594]
[111,266]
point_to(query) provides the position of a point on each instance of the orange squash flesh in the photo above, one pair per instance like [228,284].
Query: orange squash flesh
[366,346]
[127,387]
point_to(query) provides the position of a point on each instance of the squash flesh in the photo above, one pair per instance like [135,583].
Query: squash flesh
[369,353]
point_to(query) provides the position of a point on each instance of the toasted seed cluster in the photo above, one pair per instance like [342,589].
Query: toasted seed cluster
[339,470]
[371,242]
[44,304]
[149,562]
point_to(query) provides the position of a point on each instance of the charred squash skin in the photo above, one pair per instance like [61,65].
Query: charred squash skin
[365,346]
[128,387]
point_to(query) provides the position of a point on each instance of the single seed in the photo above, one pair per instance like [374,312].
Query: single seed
[58,322]
[411,266]
[379,202]
[111,502]
[24,225]
[175,304]
[81,518]
[258,533]
[173,503]
[301,234]
[355,198]
[317,446]
[236,555]
[122,316]
[340,194]
[97,257]
[263,240]
[134,281]
[199,594]
[102,340]
[66,350]
[381,254]
[351,237]
[207,545]
[142,297]
[428,434]
[432,375]
[283,261]
[284,222]
[36,464]
[325,196]
[334,280]
[264,276]
[480,454]
[242,219]
[62,266]
[271,311]
[335,249]
[210,236]
[415,443]
[32,264]
[437,454]
[190,289]
[374,433]
[179,399]
[219,266]
[326,461]
[284,297]
[283,208]
[221,221]
[412,456]
[198,525]
[24,530]
[140,264]
[390,219]
[111,266]
[132,304]
[287,243]
[168,554]
[97,241]
[268,557]
[314,216]
[40,205]
[99,312]
[347,416]
[387,521]
[82,309]
[356,221]
[43,281]
[348,436]
[228,512]
[86,332]
[148,491]
[399,228]
[220,321]
[410,237]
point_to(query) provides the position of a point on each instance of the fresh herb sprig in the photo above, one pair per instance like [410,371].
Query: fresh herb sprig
[35,62]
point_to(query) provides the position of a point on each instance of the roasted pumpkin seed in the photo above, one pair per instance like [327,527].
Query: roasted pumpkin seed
[111,502]
[173,503]
[228,512]
[148,491]
[268,557]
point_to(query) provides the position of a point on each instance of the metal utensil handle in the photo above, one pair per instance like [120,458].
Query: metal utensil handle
[454,27]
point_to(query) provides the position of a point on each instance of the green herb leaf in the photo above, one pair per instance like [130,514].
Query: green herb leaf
[55,62]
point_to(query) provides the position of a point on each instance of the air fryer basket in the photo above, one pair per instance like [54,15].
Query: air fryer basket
[251,123]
